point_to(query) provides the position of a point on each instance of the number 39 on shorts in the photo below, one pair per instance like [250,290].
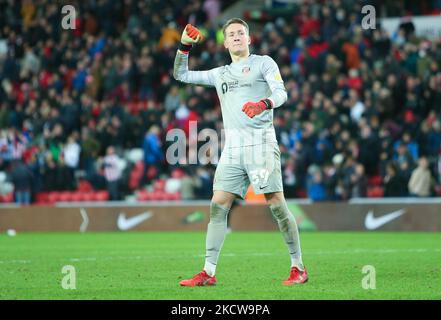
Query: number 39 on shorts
[259,176]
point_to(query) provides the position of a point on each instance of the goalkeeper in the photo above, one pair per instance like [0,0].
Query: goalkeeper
[249,89]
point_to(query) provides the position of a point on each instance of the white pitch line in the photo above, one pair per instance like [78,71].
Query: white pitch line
[15,261]
[345,252]
[228,254]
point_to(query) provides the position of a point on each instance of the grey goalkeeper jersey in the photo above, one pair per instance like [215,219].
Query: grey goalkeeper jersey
[250,80]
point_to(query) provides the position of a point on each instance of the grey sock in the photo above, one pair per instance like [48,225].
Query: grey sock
[216,231]
[288,227]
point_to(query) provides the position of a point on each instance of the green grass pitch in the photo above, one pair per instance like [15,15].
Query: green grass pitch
[149,265]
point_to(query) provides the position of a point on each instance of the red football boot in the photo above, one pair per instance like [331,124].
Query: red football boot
[296,276]
[201,279]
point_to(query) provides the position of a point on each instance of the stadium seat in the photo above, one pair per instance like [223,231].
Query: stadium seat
[65,196]
[159,185]
[102,195]
[151,173]
[76,196]
[136,175]
[139,166]
[42,197]
[375,181]
[302,194]
[177,173]
[153,196]
[133,107]
[375,192]
[84,186]
[7,198]
[158,195]
[144,196]
[88,196]
[53,196]
[175,196]
[133,184]
[168,196]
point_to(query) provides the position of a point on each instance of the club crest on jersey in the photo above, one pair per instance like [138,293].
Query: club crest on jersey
[277,77]
[245,70]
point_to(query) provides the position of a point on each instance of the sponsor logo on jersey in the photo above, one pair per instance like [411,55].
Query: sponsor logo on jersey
[224,87]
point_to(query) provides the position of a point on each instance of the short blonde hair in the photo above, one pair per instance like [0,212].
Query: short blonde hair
[235,20]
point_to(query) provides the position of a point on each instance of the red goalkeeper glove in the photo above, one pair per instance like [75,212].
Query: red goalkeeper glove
[191,35]
[252,109]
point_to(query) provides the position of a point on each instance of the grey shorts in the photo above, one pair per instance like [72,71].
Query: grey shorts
[258,165]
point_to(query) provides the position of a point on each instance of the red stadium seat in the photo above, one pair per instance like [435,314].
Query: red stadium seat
[135,179]
[177,173]
[438,191]
[88,196]
[151,172]
[158,196]
[42,197]
[132,107]
[136,174]
[144,196]
[302,194]
[53,196]
[65,196]
[162,196]
[159,185]
[76,196]
[133,184]
[375,192]
[375,181]
[102,195]
[167,196]
[7,198]
[139,166]
[174,196]
[84,186]
[154,196]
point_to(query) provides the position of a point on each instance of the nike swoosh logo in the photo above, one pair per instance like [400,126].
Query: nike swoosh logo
[372,223]
[129,223]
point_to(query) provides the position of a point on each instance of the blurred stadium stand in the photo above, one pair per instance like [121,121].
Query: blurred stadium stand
[364,106]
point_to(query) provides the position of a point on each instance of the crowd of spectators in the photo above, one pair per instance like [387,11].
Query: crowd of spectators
[361,103]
